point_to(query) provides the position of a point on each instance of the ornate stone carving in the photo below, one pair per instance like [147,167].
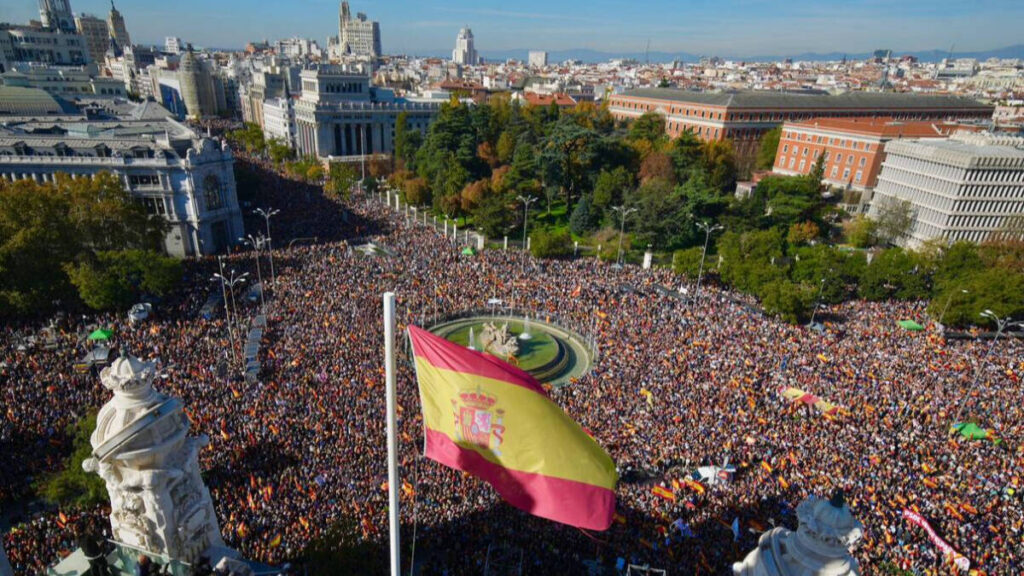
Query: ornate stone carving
[142,450]
[820,546]
[498,342]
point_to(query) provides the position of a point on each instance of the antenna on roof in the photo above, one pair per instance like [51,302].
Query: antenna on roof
[647,52]
[951,47]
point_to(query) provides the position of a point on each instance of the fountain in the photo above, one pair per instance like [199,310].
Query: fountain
[526,329]
[471,346]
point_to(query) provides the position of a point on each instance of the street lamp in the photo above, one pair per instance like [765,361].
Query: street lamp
[267,214]
[257,244]
[623,214]
[817,303]
[708,230]
[526,200]
[1001,324]
[948,302]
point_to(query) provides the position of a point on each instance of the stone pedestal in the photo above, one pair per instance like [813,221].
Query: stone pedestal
[819,547]
[142,450]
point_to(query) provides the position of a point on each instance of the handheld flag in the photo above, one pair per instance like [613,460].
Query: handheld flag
[495,421]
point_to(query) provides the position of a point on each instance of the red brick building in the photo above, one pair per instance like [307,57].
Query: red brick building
[854,148]
[744,117]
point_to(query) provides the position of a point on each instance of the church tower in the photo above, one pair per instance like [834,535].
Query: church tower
[117,28]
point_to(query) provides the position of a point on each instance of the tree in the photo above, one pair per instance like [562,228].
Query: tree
[896,273]
[687,262]
[474,193]
[496,215]
[686,153]
[584,218]
[548,244]
[279,151]
[73,486]
[650,127]
[790,199]
[657,166]
[417,192]
[860,231]
[789,301]
[506,147]
[769,148]
[802,233]
[118,279]
[566,157]
[610,187]
[751,259]
[662,219]
[841,270]
[993,289]
[893,219]
[719,162]
[340,180]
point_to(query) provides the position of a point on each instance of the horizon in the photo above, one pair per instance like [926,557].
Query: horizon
[730,29]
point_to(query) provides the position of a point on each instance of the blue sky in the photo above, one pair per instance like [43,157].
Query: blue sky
[724,27]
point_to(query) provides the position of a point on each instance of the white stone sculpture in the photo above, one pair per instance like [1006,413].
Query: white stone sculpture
[820,546]
[498,342]
[142,450]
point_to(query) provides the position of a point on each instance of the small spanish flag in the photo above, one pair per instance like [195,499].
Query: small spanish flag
[276,541]
[767,467]
[407,489]
[62,520]
[664,493]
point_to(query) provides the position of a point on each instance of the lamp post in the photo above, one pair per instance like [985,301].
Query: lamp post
[623,214]
[267,215]
[526,200]
[948,302]
[257,244]
[817,303]
[708,230]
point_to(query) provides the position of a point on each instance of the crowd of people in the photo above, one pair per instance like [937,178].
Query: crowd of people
[301,450]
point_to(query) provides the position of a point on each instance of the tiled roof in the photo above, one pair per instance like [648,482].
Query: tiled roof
[771,100]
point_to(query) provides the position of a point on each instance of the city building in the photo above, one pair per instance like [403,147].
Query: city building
[341,114]
[56,15]
[358,36]
[38,44]
[201,90]
[279,120]
[854,147]
[97,38]
[744,116]
[174,172]
[67,82]
[464,53]
[537,59]
[962,188]
[173,45]
[118,30]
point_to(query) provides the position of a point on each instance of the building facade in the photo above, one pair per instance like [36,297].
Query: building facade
[279,120]
[174,173]
[357,36]
[56,15]
[743,117]
[66,82]
[97,38]
[43,45]
[464,53]
[853,147]
[117,28]
[341,114]
[537,59]
[963,188]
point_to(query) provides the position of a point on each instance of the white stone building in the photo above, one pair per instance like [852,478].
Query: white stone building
[173,45]
[537,59]
[279,120]
[963,188]
[357,36]
[464,53]
[176,174]
[97,37]
[341,114]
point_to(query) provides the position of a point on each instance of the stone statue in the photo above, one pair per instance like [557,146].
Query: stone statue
[142,450]
[498,342]
[820,546]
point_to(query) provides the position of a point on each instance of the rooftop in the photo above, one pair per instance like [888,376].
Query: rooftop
[880,127]
[769,99]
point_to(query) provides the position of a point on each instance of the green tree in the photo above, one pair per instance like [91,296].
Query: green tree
[719,162]
[650,127]
[118,279]
[898,274]
[551,244]
[802,233]
[769,148]
[687,262]
[279,151]
[566,157]
[789,301]
[686,153]
[341,179]
[752,259]
[840,269]
[584,218]
[860,231]
[496,215]
[610,187]
[417,192]
[73,486]
[894,219]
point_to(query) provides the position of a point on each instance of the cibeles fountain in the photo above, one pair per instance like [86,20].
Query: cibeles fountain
[142,450]
[819,547]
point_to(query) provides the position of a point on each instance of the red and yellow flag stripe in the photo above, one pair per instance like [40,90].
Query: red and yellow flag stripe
[495,421]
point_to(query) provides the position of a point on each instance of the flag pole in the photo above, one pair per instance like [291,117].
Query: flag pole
[389,369]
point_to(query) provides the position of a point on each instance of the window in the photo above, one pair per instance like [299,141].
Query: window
[863,161]
[839,158]
[860,175]
[846,174]
[785,149]
[212,192]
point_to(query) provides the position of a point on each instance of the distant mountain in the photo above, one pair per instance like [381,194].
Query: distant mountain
[594,56]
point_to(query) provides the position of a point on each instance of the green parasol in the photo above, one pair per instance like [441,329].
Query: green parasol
[101,334]
[911,325]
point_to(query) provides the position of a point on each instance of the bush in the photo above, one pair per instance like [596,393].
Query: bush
[687,262]
[545,244]
[789,301]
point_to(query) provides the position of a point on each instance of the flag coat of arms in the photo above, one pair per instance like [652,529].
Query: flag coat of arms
[493,420]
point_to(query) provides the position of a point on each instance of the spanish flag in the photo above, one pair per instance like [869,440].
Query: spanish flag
[495,421]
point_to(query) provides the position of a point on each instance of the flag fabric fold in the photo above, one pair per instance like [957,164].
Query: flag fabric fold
[495,421]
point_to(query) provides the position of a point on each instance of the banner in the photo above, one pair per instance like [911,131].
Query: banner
[959,559]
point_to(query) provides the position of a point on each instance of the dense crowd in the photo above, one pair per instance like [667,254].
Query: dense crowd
[302,449]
